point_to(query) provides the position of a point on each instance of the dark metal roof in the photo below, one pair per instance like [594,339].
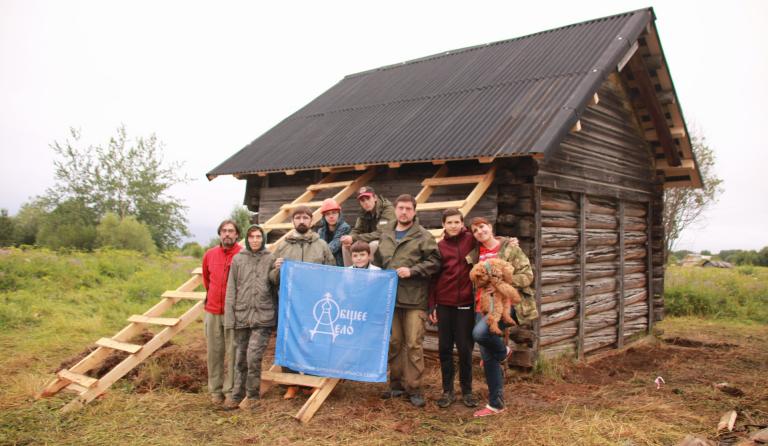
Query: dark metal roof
[507,98]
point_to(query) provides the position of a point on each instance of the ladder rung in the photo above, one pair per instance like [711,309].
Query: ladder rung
[448,181]
[323,186]
[198,270]
[436,232]
[167,321]
[75,387]
[117,345]
[192,295]
[312,204]
[273,226]
[438,205]
[292,379]
[85,381]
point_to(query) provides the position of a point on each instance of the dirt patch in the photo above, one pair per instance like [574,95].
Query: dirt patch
[692,343]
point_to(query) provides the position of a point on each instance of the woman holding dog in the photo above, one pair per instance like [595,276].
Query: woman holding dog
[493,349]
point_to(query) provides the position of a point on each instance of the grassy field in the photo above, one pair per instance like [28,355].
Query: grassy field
[53,306]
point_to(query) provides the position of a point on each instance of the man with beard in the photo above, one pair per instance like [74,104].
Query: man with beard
[304,245]
[216,263]
[409,249]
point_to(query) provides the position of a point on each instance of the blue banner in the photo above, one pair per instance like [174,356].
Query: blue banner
[335,321]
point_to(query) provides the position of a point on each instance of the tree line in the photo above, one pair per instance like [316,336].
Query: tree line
[734,256]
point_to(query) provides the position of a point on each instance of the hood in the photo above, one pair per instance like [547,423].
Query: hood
[263,236]
[295,237]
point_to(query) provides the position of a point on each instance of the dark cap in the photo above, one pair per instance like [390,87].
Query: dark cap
[365,191]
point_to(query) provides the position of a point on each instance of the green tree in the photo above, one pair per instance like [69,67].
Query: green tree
[683,206]
[192,249]
[28,221]
[128,233]
[706,252]
[126,177]
[242,216]
[6,228]
[71,224]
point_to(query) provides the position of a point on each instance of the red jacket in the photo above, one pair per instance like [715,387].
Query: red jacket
[216,262]
[451,286]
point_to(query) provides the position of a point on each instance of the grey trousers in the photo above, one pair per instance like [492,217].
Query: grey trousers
[250,344]
[221,352]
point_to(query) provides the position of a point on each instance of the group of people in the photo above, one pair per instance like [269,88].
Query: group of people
[433,284]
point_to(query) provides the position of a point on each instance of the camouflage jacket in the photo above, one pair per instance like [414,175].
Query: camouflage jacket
[369,225]
[522,280]
[307,247]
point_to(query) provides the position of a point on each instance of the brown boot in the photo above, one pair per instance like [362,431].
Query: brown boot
[230,405]
[291,392]
[217,399]
[250,404]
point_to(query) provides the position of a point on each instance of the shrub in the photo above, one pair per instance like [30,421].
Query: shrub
[70,225]
[192,249]
[127,233]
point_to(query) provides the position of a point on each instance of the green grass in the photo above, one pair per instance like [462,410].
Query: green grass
[738,293]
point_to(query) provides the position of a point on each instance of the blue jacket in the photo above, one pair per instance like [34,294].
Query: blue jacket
[342,228]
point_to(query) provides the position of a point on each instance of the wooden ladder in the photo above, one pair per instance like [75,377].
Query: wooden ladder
[87,388]
[482,183]
[278,221]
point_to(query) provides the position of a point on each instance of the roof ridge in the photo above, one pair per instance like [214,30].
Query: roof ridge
[444,94]
[485,45]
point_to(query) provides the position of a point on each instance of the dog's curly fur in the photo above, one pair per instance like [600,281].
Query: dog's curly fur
[496,275]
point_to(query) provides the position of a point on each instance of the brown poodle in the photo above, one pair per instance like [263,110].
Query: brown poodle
[493,278]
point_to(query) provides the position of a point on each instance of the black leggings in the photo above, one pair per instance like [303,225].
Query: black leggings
[454,326]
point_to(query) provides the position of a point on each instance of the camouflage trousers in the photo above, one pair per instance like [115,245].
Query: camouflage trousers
[250,344]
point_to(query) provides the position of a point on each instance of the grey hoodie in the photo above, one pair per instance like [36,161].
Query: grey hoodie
[250,302]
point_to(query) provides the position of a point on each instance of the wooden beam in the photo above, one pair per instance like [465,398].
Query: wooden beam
[290,172]
[537,267]
[314,402]
[85,381]
[478,191]
[438,162]
[620,303]
[393,165]
[652,105]
[273,226]
[262,174]
[426,191]
[485,159]
[292,379]
[595,100]
[333,185]
[582,273]
[449,181]
[191,295]
[577,126]
[649,263]
[360,167]
[627,56]
[684,164]
[676,132]
[291,206]
[440,205]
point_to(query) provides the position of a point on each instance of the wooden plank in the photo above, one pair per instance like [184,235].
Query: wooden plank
[576,126]
[449,181]
[198,270]
[167,321]
[132,361]
[190,295]
[291,206]
[628,55]
[393,165]
[85,381]
[273,226]
[485,159]
[426,191]
[478,191]
[440,205]
[117,345]
[594,100]
[649,260]
[292,379]
[317,399]
[290,172]
[537,267]
[620,324]
[437,233]
[324,186]
[582,272]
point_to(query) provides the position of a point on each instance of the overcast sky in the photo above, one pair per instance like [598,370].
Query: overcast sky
[209,77]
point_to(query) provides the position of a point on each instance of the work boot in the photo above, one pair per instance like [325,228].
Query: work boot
[469,400]
[217,399]
[392,393]
[250,403]
[417,400]
[230,405]
[291,392]
[446,400]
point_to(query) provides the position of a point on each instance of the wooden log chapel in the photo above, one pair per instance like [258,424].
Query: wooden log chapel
[564,139]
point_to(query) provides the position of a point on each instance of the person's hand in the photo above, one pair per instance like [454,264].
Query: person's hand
[346,240]
[403,272]
[279,263]
[514,241]
[433,317]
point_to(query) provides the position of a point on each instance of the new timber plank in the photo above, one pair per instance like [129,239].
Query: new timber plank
[191,295]
[167,321]
[450,181]
[117,345]
[85,381]
[440,205]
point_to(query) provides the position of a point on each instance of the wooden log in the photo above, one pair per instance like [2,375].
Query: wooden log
[634,223]
[634,253]
[558,332]
[559,219]
[600,302]
[507,219]
[635,210]
[597,321]
[634,267]
[599,338]
[635,238]
[558,292]
[557,256]
[636,310]
[634,296]
[563,314]
[563,237]
[565,347]
[636,280]
[601,254]
[523,206]
[599,286]
[601,237]
[522,358]
[597,206]
[558,202]
[634,326]
[601,221]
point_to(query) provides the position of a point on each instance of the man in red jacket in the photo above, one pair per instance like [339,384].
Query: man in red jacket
[216,262]
[450,306]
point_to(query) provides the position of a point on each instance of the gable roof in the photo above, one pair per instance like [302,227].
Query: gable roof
[508,98]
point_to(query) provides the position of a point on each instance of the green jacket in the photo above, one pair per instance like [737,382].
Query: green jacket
[249,302]
[308,247]
[417,251]
[522,280]
[368,226]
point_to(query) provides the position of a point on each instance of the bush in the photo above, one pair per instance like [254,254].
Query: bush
[70,225]
[192,249]
[27,222]
[127,233]
[6,228]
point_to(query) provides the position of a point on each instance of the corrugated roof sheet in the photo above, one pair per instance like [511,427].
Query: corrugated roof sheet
[507,98]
